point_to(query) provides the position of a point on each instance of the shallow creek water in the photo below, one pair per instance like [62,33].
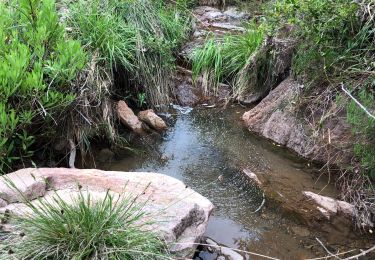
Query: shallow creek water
[205,143]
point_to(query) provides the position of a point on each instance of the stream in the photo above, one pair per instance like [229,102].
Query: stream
[205,143]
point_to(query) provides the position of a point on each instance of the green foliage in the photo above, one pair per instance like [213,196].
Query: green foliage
[141,36]
[101,29]
[332,34]
[364,131]
[141,99]
[337,45]
[85,228]
[160,30]
[38,64]
[185,5]
[208,60]
[220,60]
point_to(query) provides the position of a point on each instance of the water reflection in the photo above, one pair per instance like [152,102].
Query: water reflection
[203,145]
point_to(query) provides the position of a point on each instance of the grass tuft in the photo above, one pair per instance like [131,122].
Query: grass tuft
[220,60]
[87,228]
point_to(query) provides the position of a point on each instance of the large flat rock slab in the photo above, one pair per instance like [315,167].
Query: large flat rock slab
[180,214]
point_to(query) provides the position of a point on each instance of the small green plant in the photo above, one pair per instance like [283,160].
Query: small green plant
[85,228]
[38,66]
[141,99]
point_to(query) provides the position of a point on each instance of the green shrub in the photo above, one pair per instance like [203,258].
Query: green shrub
[208,61]
[220,60]
[107,228]
[328,31]
[37,68]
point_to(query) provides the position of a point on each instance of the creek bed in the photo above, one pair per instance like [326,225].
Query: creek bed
[205,143]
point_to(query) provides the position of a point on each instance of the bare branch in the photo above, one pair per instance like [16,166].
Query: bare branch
[363,253]
[325,248]
[357,102]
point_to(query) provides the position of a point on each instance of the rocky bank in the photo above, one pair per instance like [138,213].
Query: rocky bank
[279,118]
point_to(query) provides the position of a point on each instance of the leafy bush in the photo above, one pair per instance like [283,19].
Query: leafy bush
[220,60]
[108,228]
[38,65]
[331,33]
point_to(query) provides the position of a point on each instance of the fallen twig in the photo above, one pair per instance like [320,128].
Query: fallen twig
[261,205]
[330,254]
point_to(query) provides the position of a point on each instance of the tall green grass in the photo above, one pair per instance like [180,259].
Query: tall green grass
[100,28]
[85,228]
[140,37]
[220,60]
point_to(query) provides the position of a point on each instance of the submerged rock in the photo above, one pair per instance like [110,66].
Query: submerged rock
[152,120]
[300,231]
[221,251]
[252,176]
[181,215]
[329,206]
[186,95]
[128,118]
[105,155]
